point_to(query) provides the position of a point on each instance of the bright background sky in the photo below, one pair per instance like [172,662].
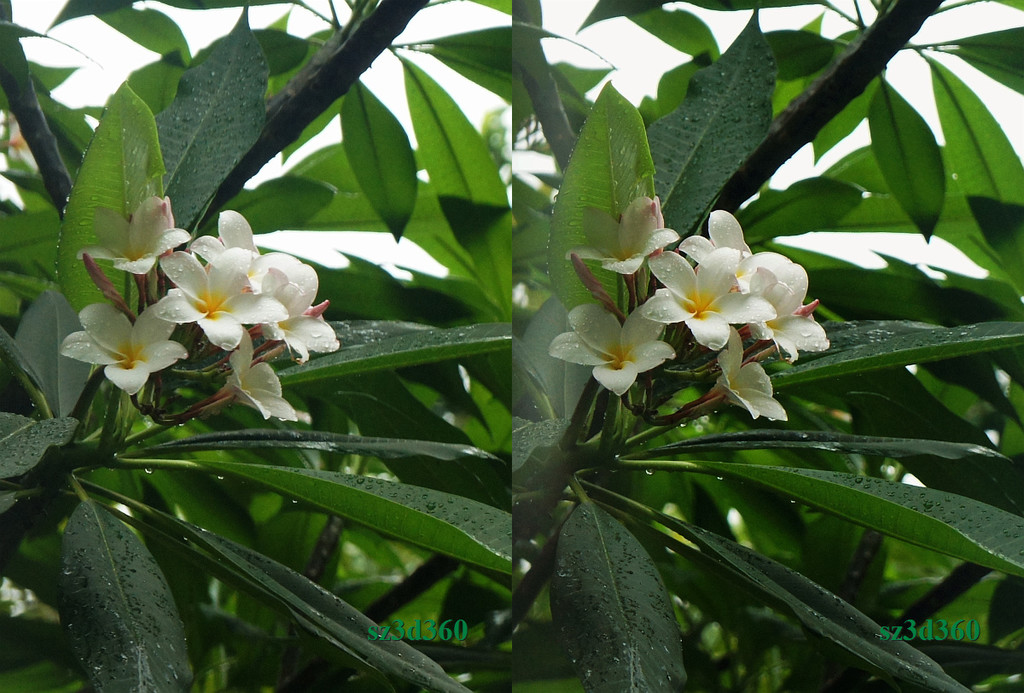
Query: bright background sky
[111,57]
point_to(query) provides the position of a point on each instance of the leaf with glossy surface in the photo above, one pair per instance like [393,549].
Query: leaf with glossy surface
[611,608]
[908,156]
[881,345]
[381,448]
[43,327]
[215,118]
[610,167]
[412,349]
[724,116]
[382,157]
[117,609]
[122,167]
[23,442]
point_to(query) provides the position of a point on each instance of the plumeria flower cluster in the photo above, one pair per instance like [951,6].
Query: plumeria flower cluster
[689,310]
[209,316]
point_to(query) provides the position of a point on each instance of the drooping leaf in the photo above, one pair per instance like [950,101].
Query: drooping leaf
[1002,225]
[215,118]
[799,53]
[610,167]
[43,327]
[261,206]
[12,56]
[82,8]
[486,57]
[117,609]
[465,529]
[611,608]
[680,29]
[606,9]
[725,115]
[384,165]
[812,204]
[150,29]
[999,55]
[422,346]
[122,167]
[23,442]
[908,156]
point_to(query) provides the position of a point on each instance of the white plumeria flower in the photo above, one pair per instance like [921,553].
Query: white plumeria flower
[621,245]
[217,297]
[703,299]
[257,386]
[129,352]
[618,352]
[792,329]
[302,331]
[746,384]
[233,232]
[134,245]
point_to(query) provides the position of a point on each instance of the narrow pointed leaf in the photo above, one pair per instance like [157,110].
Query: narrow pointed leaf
[610,167]
[459,527]
[908,156]
[214,119]
[23,442]
[1000,55]
[150,29]
[117,609]
[725,115]
[122,167]
[382,158]
[612,610]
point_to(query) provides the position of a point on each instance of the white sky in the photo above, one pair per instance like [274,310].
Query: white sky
[111,57]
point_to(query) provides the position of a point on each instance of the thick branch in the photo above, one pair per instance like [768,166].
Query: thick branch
[327,77]
[845,79]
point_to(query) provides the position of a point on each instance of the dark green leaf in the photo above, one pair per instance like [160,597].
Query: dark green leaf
[426,346]
[382,448]
[807,205]
[460,527]
[283,51]
[487,57]
[1006,612]
[606,9]
[12,57]
[23,442]
[908,156]
[43,327]
[610,167]
[725,115]
[1002,225]
[682,30]
[530,435]
[878,347]
[215,118]
[82,8]
[21,368]
[844,123]
[613,614]
[262,206]
[150,29]
[1000,55]
[799,53]
[116,608]
[156,84]
[122,167]
[384,165]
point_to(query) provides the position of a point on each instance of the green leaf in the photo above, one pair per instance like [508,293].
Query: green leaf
[725,115]
[940,521]
[82,8]
[799,53]
[382,157]
[807,205]
[381,448]
[610,167]
[881,345]
[606,9]
[487,57]
[23,442]
[682,30]
[40,333]
[117,609]
[1002,225]
[122,167]
[976,145]
[150,29]
[527,436]
[283,51]
[21,368]
[908,156]
[612,611]
[999,55]
[823,440]
[12,56]
[412,349]
[215,118]
[262,208]
[459,527]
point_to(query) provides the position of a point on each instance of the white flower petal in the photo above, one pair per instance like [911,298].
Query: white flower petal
[186,272]
[176,307]
[664,308]
[130,380]
[710,329]
[598,328]
[674,272]
[79,346]
[222,329]
[726,232]
[106,325]
[618,380]
[569,347]
[235,231]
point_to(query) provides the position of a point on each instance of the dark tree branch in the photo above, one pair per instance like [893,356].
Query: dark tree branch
[867,550]
[36,131]
[327,77]
[845,79]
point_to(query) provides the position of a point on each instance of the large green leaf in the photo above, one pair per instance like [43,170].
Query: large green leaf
[606,9]
[382,448]
[941,521]
[465,529]
[215,118]
[680,29]
[43,327]
[882,344]
[23,371]
[610,167]
[999,55]
[150,29]
[23,442]
[908,156]
[799,53]
[725,115]
[407,349]
[486,56]
[117,609]
[611,608]
[82,8]
[382,157]
[812,204]
[122,167]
